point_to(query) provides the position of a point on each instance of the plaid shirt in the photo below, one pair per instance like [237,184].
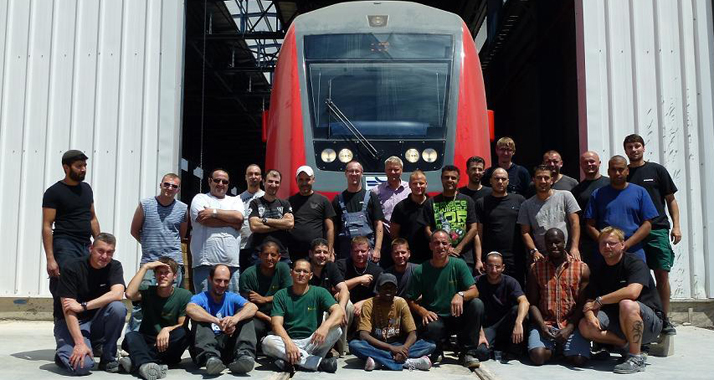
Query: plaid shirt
[558,289]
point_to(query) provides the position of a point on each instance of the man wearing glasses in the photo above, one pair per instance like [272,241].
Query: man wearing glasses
[217,219]
[159,224]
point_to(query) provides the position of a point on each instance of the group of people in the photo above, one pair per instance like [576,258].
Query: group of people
[389,274]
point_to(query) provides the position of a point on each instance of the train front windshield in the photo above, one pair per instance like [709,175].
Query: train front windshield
[388,86]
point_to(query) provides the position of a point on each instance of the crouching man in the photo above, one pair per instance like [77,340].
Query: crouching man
[162,337]
[387,333]
[623,308]
[223,326]
[88,310]
[297,312]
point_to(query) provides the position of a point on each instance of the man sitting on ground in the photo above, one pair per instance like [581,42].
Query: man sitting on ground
[222,326]
[161,338]
[297,310]
[387,333]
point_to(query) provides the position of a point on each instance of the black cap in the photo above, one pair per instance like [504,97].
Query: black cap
[73,155]
[386,278]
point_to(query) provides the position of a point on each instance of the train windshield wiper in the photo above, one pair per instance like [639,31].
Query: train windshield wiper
[334,109]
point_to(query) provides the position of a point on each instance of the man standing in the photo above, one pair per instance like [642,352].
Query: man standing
[217,219]
[623,205]
[443,294]
[474,189]
[498,231]
[623,307]
[518,177]
[590,165]
[454,213]
[313,214]
[357,214]
[91,312]
[162,336]
[261,281]
[505,309]
[271,218]
[387,333]
[556,287]
[402,269]
[407,218]
[222,326]
[553,160]
[548,209]
[659,185]
[69,204]
[253,178]
[389,194]
[300,339]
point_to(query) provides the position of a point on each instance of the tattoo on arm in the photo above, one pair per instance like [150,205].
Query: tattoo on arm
[637,332]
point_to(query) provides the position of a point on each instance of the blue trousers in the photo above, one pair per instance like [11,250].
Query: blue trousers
[363,350]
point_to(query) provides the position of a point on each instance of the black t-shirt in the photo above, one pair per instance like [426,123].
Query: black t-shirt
[79,280]
[518,178]
[310,213]
[331,276]
[408,214]
[476,194]
[348,270]
[630,270]
[501,233]
[454,215]
[73,210]
[353,203]
[658,183]
[582,193]
[498,299]
[403,278]
[276,209]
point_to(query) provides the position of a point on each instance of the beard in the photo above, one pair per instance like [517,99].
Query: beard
[79,177]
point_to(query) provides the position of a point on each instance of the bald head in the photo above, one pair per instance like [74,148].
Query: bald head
[590,165]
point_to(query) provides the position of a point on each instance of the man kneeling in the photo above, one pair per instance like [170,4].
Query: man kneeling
[297,310]
[223,326]
[387,333]
[161,337]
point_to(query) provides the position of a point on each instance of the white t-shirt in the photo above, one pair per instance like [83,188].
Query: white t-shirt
[246,197]
[214,245]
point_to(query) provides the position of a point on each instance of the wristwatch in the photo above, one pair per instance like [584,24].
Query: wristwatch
[598,301]
[215,213]
[461,294]
[532,251]
[84,306]
[265,221]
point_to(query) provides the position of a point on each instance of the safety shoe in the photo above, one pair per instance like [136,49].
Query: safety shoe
[423,363]
[284,366]
[125,364]
[214,365]
[470,361]
[109,366]
[242,365]
[328,365]
[150,371]
[633,364]
[668,328]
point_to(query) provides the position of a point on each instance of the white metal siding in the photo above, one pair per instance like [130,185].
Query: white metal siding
[100,76]
[646,67]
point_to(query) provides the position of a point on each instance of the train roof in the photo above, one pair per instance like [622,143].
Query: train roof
[352,17]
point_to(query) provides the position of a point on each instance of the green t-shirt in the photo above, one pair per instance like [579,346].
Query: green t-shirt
[437,286]
[159,312]
[302,315]
[253,280]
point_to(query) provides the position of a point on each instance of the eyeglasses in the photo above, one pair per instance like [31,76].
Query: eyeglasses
[171,185]
[218,180]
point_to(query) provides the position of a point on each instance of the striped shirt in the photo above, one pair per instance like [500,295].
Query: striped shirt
[161,231]
[558,288]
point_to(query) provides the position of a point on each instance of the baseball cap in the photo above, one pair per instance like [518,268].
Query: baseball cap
[73,155]
[306,169]
[385,278]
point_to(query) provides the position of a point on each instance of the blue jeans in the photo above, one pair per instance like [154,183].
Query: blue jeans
[200,279]
[363,350]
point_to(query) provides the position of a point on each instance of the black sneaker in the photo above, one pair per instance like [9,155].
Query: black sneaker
[284,366]
[668,328]
[470,361]
[633,364]
[109,366]
[328,365]
[214,365]
[242,365]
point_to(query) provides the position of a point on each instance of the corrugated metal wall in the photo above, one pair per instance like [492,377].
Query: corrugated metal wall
[646,67]
[101,76]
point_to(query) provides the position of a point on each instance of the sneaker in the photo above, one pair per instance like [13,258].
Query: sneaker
[284,366]
[150,371]
[470,361]
[369,364]
[109,366]
[125,364]
[164,370]
[214,365]
[633,364]
[242,365]
[423,363]
[668,328]
[328,365]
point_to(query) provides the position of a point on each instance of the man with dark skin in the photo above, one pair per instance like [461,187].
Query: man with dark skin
[556,289]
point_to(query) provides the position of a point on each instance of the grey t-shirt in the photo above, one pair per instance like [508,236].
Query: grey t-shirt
[544,215]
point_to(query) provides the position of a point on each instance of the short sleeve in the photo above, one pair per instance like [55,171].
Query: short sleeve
[254,208]
[198,203]
[375,208]
[648,209]
[238,205]
[479,206]
[515,289]
[463,274]
[470,212]
[328,209]
[365,319]
[67,287]
[668,186]
[284,272]
[326,299]
[185,299]
[200,300]
[591,208]
[245,286]
[238,301]
[523,218]
[407,323]
[335,274]
[414,289]
[116,275]
[287,208]
[279,303]
[637,272]
[49,199]
[571,205]
[427,215]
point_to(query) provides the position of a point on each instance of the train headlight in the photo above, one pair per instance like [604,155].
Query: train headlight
[328,155]
[345,156]
[412,155]
[429,155]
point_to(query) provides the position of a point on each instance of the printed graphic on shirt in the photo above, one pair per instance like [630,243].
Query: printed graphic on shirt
[451,216]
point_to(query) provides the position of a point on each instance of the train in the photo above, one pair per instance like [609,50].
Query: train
[368,80]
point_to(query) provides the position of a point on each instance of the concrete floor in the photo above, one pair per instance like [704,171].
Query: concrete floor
[27,349]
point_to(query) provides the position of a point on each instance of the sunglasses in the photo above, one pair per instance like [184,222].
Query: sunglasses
[218,180]
[171,185]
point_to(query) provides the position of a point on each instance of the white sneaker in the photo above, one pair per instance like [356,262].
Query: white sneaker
[369,364]
[423,363]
